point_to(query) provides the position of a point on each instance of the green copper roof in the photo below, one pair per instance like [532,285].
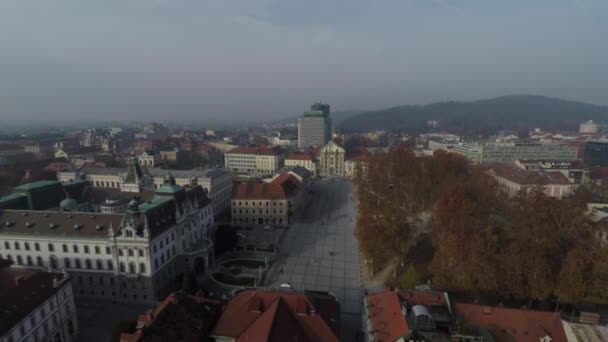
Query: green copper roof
[169,189]
[12,197]
[36,185]
[155,202]
[75,183]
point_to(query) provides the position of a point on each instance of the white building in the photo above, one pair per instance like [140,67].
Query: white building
[305,160]
[331,160]
[256,160]
[150,158]
[588,127]
[216,182]
[36,305]
[133,256]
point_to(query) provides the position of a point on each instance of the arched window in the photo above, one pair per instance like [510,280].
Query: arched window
[132,267]
[110,265]
[87,263]
[97,250]
[7,245]
[36,246]
[19,260]
[130,251]
[142,268]
[67,263]
[9,257]
[99,265]
[53,261]
[122,267]
[30,261]
[39,261]
[78,263]
[86,249]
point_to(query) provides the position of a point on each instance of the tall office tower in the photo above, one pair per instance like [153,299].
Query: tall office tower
[314,126]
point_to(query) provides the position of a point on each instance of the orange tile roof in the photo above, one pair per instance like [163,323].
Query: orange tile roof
[511,325]
[261,150]
[257,315]
[426,298]
[258,191]
[300,156]
[388,322]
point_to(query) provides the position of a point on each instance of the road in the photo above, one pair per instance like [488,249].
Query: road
[319,251]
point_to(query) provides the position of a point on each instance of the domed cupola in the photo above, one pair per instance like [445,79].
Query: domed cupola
[68,204]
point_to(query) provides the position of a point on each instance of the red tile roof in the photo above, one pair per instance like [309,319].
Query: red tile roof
[282,187]
[388,322]
[511,325]
[258,191]
[300,156]
[285,178]
[426,298]
[256,315]
[525,177]
[361,158]
[179,316]
[261,150]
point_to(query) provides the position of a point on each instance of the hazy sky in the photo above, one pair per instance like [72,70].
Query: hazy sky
[165,59]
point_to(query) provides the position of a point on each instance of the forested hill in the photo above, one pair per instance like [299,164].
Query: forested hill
[518,112]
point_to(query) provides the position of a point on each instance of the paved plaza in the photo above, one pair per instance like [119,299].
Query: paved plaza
[319,251]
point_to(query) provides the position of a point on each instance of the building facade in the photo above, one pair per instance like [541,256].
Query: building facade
[128,257]
[36,305]
[216,182]
[305,160]
[150,158]
[256,160]
[588,127]
[357,163]
[331,160]
[596,152]
[314,126]
[510,152]
[512,179]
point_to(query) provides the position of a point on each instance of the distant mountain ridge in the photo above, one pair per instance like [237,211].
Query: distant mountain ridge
[477,117]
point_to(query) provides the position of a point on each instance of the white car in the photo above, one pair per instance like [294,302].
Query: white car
[268,228]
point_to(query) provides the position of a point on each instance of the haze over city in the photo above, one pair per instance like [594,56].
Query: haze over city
[267,59]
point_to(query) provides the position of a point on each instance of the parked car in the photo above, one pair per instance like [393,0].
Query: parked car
[241,235]
[268,228]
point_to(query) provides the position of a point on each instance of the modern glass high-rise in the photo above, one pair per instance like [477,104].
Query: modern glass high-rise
[596,152]
[314,126]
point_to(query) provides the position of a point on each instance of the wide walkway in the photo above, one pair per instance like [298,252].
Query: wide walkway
[320,251]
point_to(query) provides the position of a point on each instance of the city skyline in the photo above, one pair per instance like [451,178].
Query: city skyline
[268,59]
